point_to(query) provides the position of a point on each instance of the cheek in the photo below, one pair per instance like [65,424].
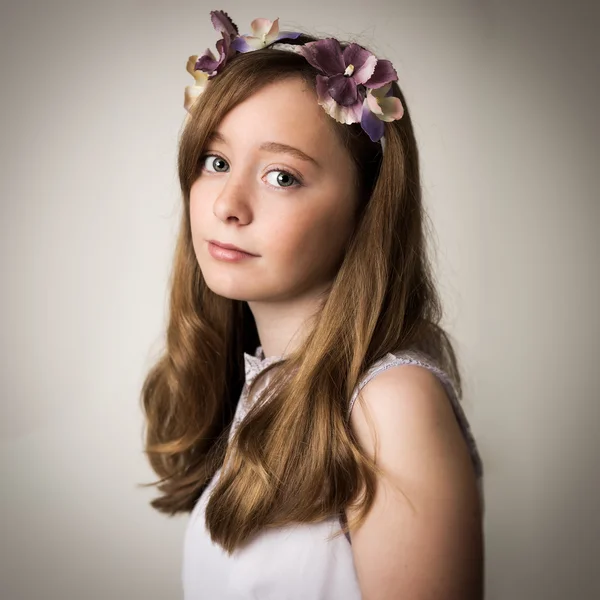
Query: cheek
[199,214]
[199,205]
[194,200]
[305,243]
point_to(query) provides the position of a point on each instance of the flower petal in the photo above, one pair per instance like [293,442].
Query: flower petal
[373,104]
[382,92]
[342,114]
[363,61]
[190,67]
[261,27]
[385,107]
[325,55]
[371,124]
[224,53]
[361,75]
[200,76]
[240,44]
[288,35]
[191,93]
[273,30]
[343,89]
[383,74]
[392,108]
[222,23]
[252,42]
[207,62]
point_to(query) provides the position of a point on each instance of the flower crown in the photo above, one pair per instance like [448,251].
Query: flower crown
[353,85]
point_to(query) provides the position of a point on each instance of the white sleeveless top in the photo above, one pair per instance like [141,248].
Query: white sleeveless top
[295,562]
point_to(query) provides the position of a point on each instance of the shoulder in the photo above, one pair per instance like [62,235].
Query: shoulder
[411,401]
[419,401]
[426,517]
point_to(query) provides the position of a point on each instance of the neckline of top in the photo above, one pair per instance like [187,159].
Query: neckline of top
[255,364]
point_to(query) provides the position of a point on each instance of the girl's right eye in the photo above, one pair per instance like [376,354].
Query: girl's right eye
[214,163]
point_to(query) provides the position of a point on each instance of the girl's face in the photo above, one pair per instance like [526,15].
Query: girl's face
[278,183]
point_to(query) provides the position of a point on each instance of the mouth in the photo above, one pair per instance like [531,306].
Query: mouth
[230,247]
[227,254]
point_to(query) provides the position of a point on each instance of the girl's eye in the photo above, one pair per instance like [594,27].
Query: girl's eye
[215,164]
[283,179]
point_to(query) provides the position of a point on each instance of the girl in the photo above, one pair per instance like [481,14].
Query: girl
[306,409]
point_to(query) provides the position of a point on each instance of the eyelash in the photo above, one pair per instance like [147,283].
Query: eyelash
[297,179]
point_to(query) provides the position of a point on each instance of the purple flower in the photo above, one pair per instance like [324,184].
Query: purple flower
[208,63]
[264,33]
[346,74]
[353,86]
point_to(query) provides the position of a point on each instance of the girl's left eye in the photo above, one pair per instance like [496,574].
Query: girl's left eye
[282,179]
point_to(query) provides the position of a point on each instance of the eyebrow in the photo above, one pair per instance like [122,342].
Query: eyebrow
[275,147]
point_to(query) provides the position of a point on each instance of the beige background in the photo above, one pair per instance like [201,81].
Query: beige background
[505,101]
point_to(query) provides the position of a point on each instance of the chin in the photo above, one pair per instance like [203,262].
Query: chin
[234,287]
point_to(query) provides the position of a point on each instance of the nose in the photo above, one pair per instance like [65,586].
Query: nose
[233,200]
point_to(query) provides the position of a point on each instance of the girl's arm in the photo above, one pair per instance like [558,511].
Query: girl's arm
[422,538]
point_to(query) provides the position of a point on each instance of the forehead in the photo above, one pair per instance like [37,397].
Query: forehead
[285,111]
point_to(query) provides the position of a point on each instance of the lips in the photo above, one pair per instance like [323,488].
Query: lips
[230,247]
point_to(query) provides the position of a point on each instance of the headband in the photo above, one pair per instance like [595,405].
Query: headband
[353,85]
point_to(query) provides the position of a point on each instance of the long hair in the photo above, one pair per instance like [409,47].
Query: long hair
[294,457]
